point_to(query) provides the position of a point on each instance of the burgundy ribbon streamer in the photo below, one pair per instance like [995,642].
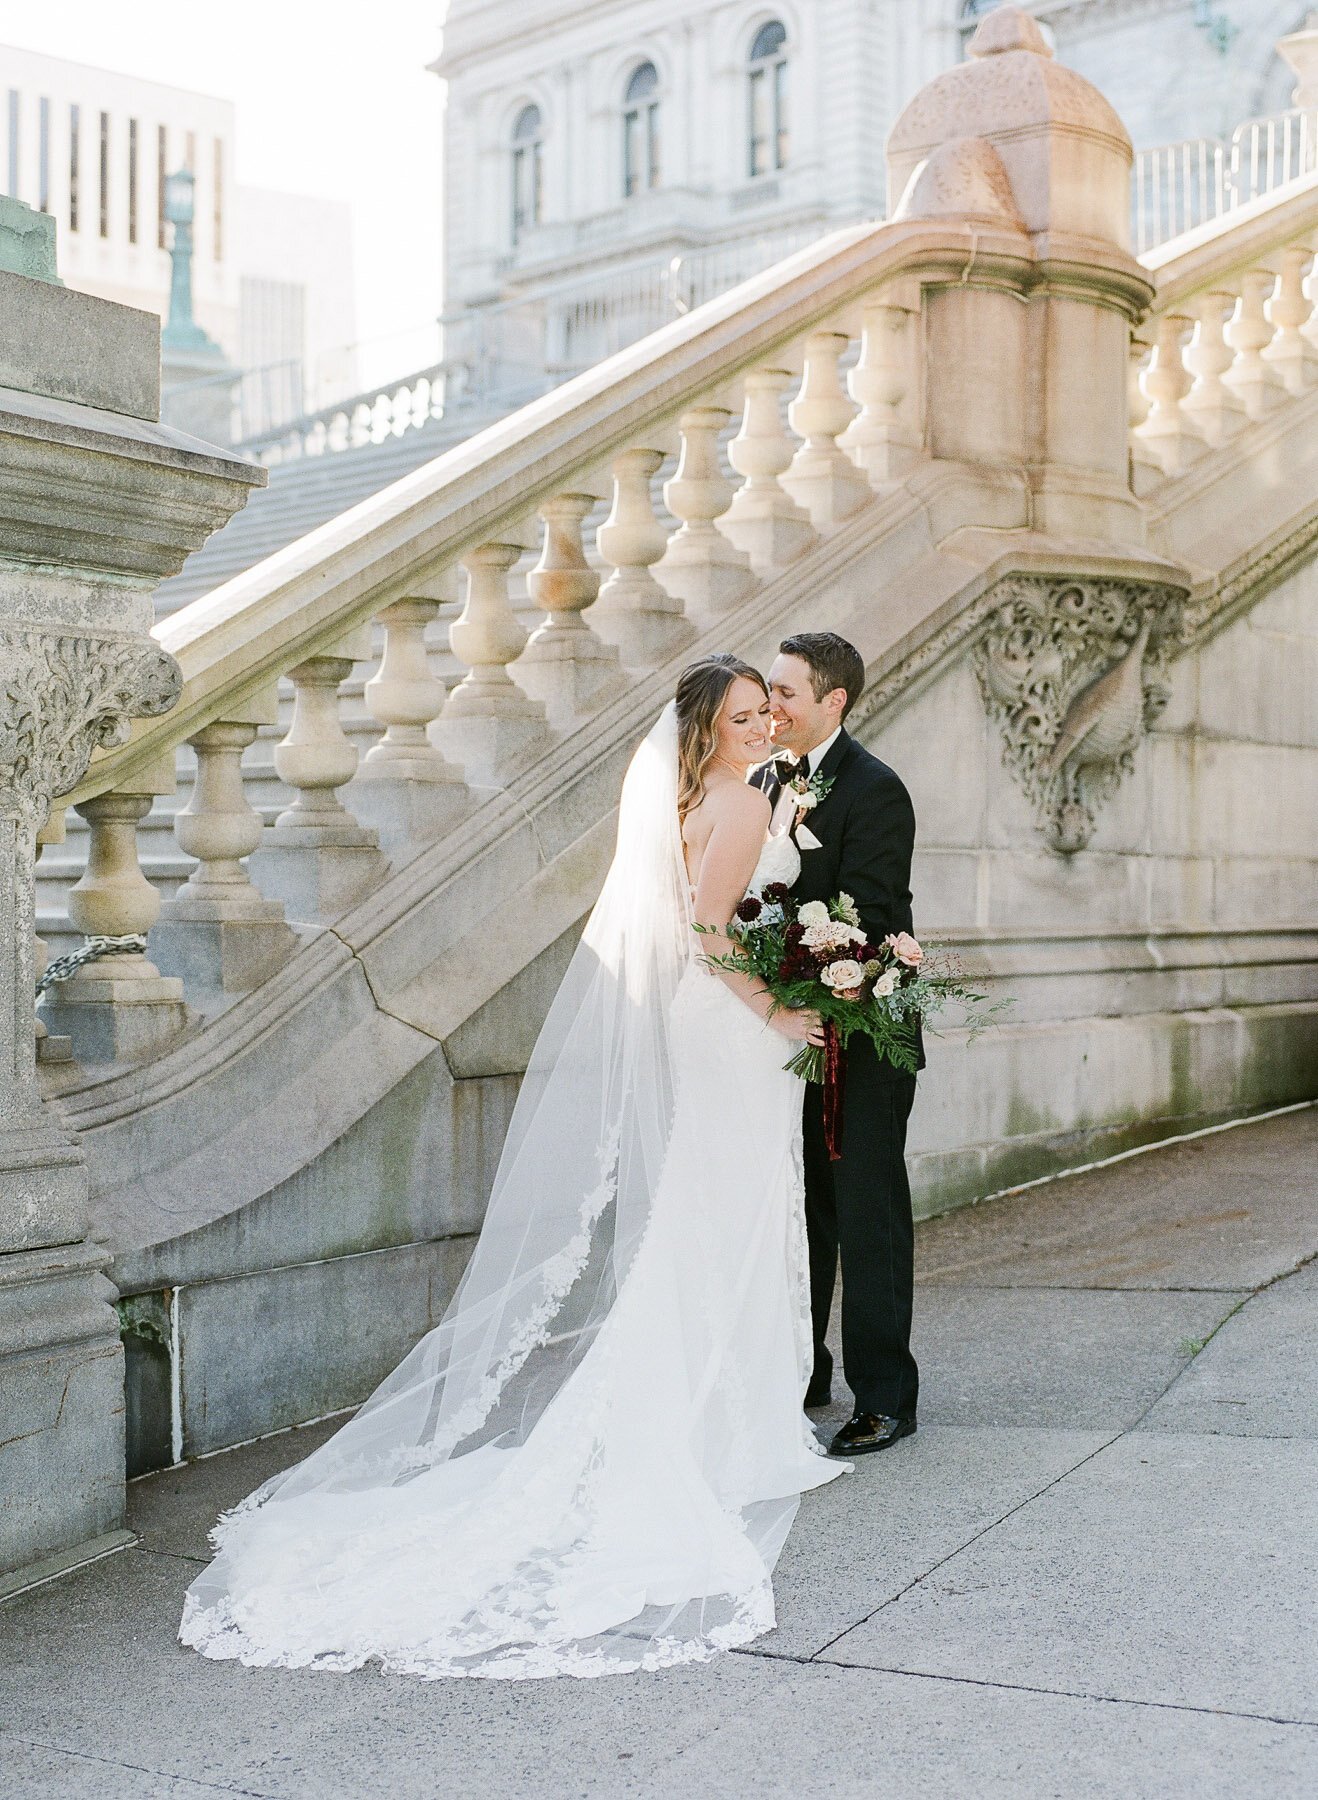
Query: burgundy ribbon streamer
[835,1088]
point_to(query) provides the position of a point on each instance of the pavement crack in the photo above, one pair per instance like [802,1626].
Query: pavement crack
[973,1539]
[114,1762]
[1202,1343]
[936,1282]
[175,1555]
[1025,1687]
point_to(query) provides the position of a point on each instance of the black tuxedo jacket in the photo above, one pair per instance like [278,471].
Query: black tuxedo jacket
[866,832]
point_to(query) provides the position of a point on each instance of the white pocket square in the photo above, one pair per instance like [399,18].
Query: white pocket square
[806,839]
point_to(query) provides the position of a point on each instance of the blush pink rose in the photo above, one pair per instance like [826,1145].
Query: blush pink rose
[905,949]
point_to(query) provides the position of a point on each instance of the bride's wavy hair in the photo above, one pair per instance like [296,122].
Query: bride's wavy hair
[701,690]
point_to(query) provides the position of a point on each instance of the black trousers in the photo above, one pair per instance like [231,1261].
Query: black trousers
[859,1208]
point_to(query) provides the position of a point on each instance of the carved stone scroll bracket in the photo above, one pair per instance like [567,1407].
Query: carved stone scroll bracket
[1073,672]
[62,697]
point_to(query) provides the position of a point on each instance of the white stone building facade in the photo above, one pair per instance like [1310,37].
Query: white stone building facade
[582,137]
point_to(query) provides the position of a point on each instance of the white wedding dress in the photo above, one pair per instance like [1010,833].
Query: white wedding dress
[591,1465]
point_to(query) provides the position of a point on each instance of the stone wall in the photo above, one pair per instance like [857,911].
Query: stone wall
[1164,975]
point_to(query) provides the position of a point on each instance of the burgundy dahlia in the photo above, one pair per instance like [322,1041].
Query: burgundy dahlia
[750,909]
[777,893]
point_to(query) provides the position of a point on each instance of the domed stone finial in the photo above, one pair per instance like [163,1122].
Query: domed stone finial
[1066,153]
[1008,28]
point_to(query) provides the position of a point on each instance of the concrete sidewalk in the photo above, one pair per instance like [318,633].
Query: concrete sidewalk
[1092,1573]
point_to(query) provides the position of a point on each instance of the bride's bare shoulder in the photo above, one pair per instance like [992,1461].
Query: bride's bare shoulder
[734,803]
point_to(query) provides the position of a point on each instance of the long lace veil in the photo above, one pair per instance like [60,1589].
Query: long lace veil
[573,1190]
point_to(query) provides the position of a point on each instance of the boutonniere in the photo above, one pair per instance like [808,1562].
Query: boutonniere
[809,791]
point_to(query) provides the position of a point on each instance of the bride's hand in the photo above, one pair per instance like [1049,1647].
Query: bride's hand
[803,1027]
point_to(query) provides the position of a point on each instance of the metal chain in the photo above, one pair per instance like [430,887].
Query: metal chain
[134,944]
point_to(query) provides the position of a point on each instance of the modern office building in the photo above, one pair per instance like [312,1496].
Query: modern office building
[271,273]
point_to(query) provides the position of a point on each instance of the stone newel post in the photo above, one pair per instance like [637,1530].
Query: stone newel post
[98,503]
[1027,342]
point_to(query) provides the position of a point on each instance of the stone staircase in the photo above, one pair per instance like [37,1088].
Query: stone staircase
[1000,454]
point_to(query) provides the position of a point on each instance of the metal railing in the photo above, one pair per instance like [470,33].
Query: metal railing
[498,357]
[1176,187]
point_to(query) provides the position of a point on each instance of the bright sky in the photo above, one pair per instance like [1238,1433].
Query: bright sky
[333,97]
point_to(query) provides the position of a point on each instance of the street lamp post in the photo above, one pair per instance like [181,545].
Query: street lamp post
[182,331]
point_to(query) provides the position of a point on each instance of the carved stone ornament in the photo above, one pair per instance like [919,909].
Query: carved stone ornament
[1073,673]
[63,697]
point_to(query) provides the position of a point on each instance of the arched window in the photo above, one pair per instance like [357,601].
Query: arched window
[768,99]
[640,131]
[528,169]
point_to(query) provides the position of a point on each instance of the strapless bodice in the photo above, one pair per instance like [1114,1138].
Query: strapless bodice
[780,860]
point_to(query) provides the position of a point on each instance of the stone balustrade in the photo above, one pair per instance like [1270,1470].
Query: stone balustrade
[752,470]
[1231,336]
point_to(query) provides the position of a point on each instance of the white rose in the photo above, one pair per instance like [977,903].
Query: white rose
[842,975]
[814,912]
[805,800]
[886,983]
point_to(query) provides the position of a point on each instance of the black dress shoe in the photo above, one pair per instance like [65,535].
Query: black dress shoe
[818,1394]
[869,1431]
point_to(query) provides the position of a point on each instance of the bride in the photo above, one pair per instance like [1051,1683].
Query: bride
[591,1464]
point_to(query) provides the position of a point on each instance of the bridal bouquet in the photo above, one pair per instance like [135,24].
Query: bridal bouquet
[818,954]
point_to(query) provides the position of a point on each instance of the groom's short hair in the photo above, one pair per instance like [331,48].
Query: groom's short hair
[833,663]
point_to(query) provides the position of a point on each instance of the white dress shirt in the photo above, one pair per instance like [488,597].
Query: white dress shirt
[820,751]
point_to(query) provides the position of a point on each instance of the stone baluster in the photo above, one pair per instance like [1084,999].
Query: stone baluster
[1215,409]
[823,478]
[317,857]
[1258,383]
[405,787]
[643,619]
[1291,352]
[489,722]
[566,664]
[701,566]
[1145,468]
[763,519]
[218,934]
[1309,288]
[881,439]
[1174,439]
[118,1008]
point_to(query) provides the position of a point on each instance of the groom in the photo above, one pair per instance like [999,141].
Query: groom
[859,1206]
